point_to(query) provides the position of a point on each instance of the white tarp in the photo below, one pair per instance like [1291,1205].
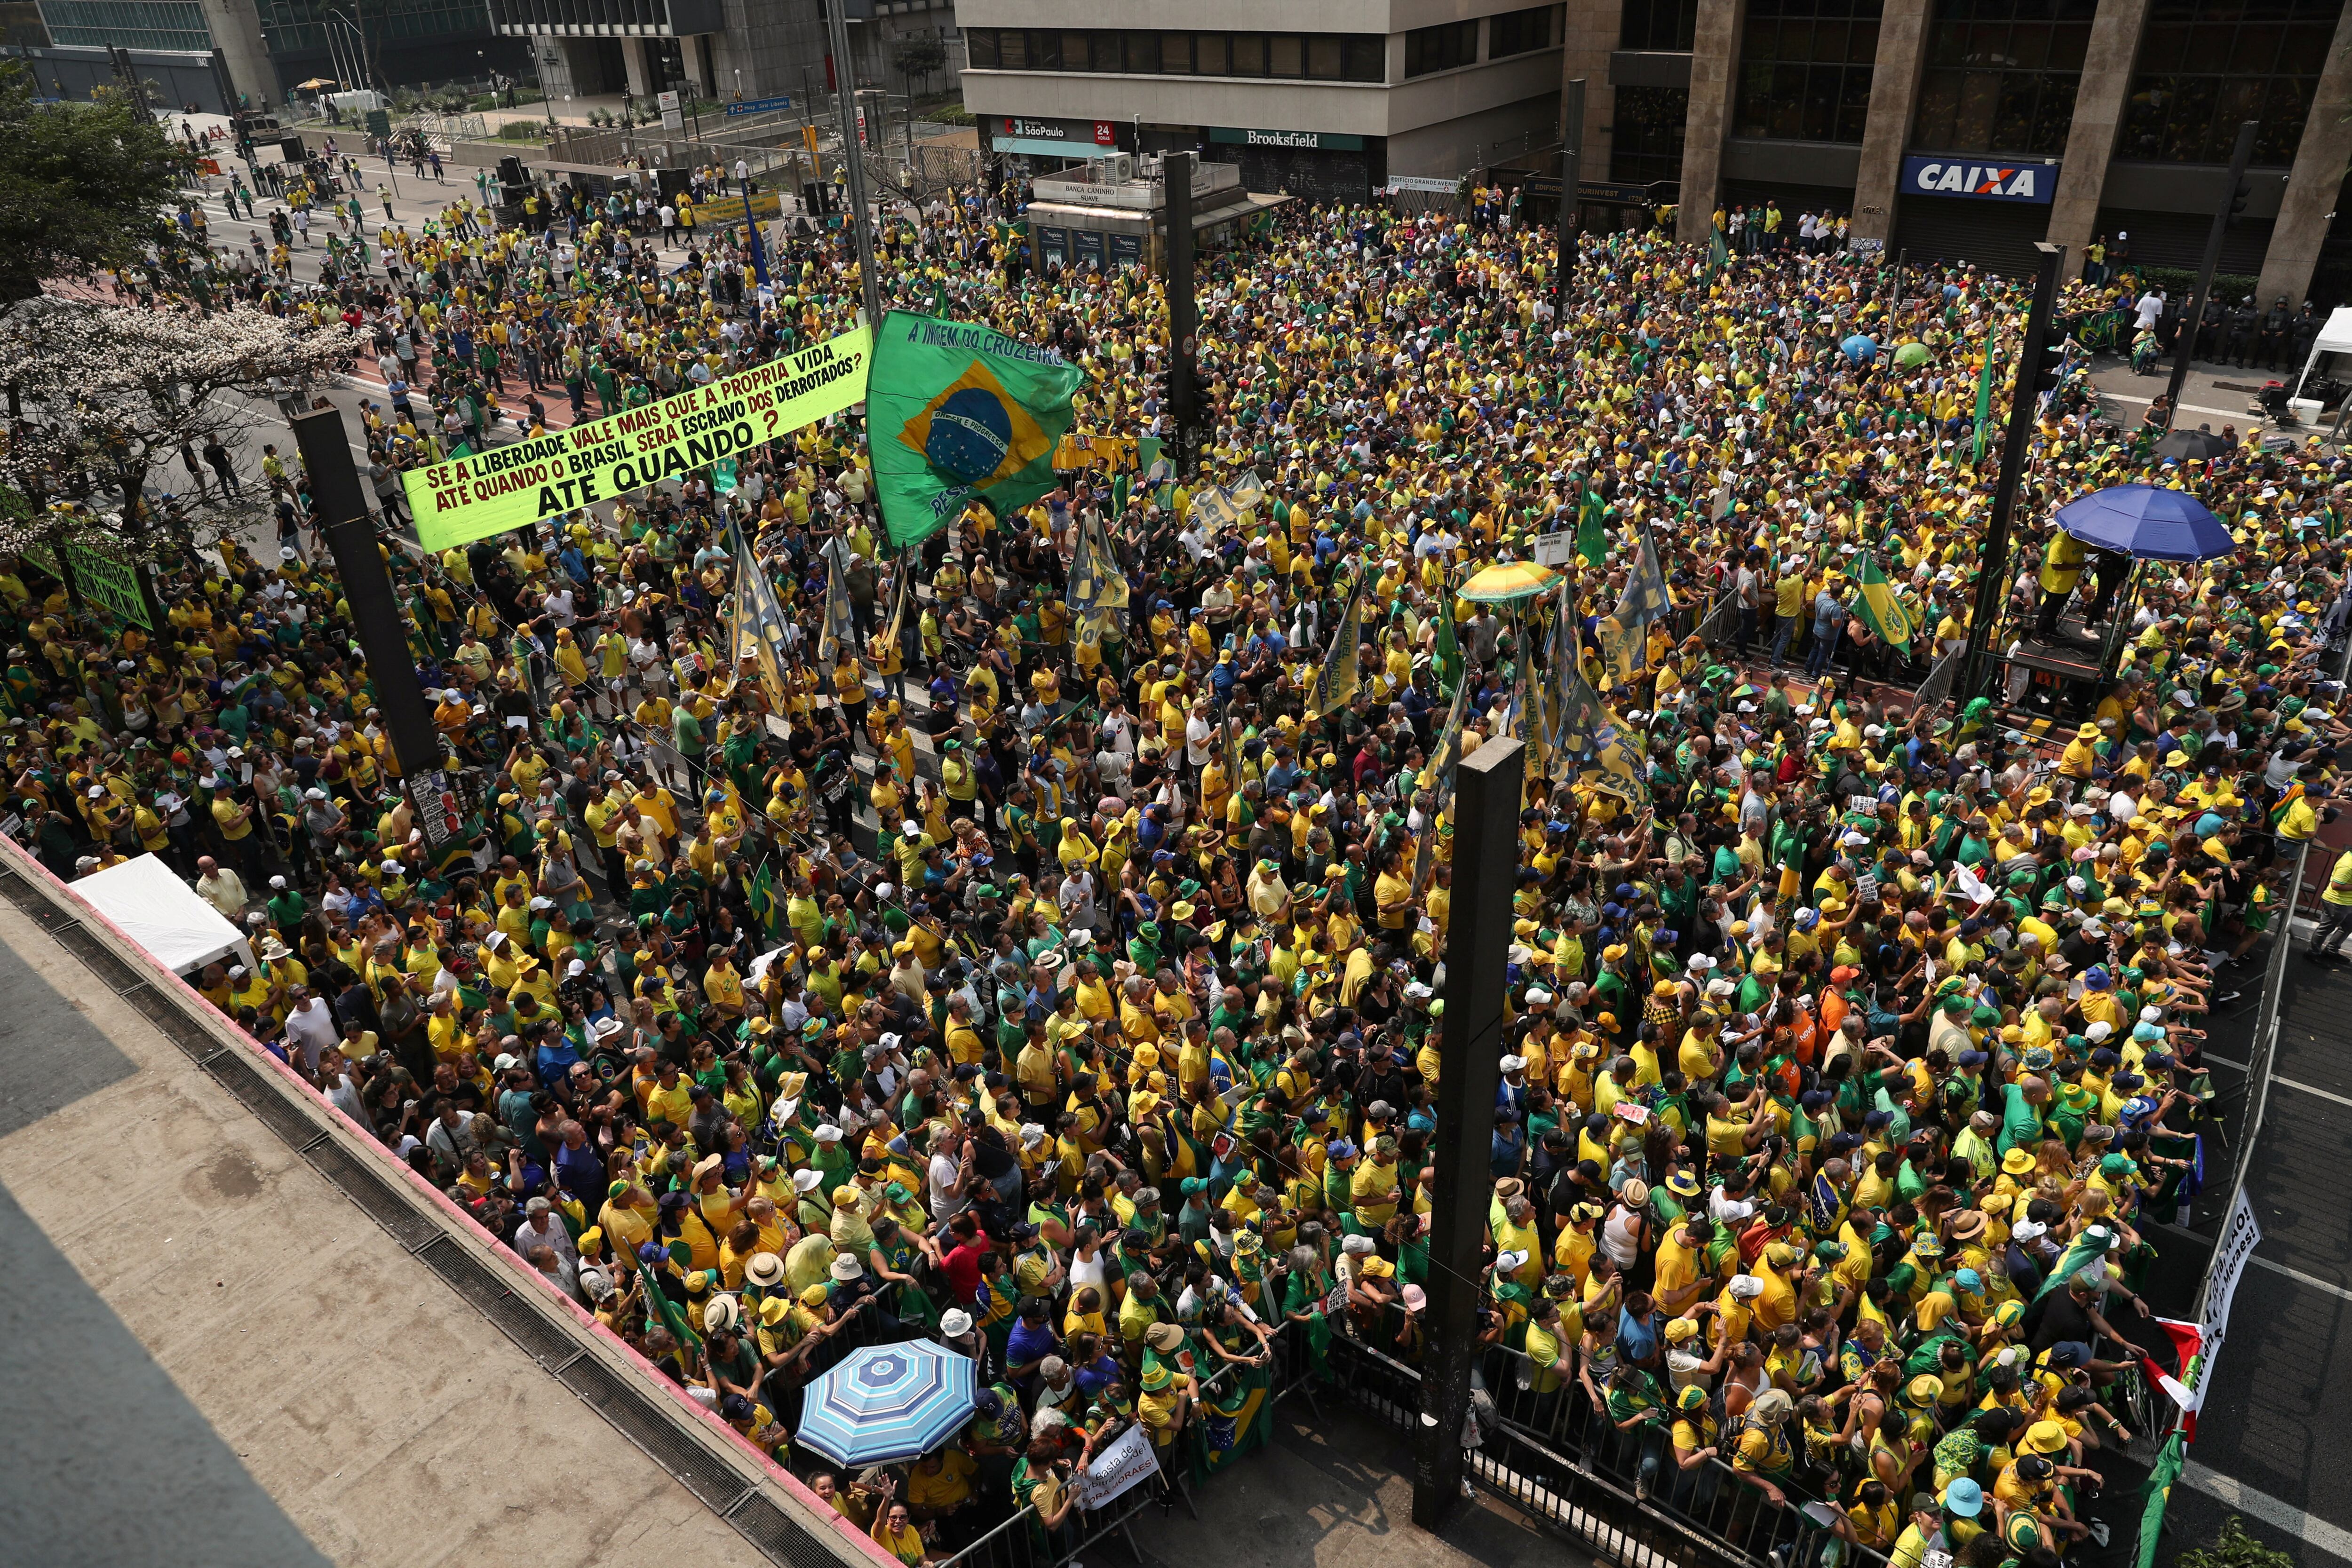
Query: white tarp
[149,904]
[2335,338]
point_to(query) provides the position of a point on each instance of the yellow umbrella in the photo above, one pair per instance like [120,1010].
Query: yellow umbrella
[315,83]
[1509,582]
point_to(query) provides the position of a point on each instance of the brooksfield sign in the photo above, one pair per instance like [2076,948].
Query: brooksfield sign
[1308,140]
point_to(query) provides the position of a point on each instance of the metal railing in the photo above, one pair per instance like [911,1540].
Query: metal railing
[1564,1464]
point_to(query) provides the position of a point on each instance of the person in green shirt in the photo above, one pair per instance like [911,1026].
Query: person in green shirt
[1637,1408]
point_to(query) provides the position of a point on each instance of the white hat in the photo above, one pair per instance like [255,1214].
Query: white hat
[955,1323]
[1538,996]
[806,1180]
[1747,1287]
[278,881]
[826,1132]
[1515,1063]
[1359,1246]
[1509,1262]
[719,1313]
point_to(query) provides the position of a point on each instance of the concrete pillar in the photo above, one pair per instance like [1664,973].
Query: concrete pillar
[1715,81]
[1894,99]
[1591,34]
[2099,106]
[694,54]
[640,69]
[2320,160]
[235,26]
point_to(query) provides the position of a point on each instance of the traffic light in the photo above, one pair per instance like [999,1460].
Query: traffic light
[2238,199]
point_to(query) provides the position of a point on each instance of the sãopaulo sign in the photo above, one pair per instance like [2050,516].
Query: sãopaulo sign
[514,486]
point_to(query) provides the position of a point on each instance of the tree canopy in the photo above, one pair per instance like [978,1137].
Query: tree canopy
[82,186]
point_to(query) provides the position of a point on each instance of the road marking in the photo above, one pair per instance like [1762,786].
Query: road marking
[2186,407]
[2308,1088]
[2213,1061]
[2300,1278]
[2305,1527]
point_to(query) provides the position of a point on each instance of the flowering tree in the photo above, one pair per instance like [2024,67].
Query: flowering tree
[107,397]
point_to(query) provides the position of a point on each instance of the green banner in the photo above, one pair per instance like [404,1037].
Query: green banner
[514,486]
[958,412]
[106,578]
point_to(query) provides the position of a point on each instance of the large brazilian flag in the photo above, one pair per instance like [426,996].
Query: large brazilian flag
[957,412]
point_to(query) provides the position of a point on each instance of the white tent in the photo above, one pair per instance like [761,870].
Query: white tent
[2335,338]
[149,904]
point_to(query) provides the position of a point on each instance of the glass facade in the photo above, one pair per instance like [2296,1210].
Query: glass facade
[1664,25]
[1441,48]
[128,24]
[1647,143]
[1523,32]
[1294,57]
[1805,68]
[2206,65]
[292,26]
[2001,76]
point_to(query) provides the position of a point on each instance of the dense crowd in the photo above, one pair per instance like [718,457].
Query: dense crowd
[1063,987]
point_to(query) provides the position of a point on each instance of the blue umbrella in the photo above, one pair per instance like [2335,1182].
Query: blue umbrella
[1861,349]
[2147,523]
[886,1403]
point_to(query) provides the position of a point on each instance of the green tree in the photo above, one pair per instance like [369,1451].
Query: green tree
[83,186]
[919,55]
[2233,1548]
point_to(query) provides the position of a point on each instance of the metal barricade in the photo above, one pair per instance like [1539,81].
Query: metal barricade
[1939,684]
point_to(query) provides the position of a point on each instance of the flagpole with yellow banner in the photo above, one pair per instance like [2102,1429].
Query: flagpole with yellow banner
[1335,683]
[758,631]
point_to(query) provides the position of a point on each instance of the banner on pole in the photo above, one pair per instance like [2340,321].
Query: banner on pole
[516,485]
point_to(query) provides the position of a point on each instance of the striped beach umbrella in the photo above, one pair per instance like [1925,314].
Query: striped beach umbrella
[886,1403]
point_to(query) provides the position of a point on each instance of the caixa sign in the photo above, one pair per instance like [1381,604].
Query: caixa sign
[1928,174]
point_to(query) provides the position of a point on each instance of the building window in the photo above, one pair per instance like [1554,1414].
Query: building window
[1291,57]
[1646,145]
[1522,32]
[1804,70]
[1664,25]
[291,25]
[1441,48]
[130,24]
[2202,69]
[2001,76]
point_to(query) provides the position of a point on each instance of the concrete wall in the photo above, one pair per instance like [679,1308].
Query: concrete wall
[1238,16]
[1590,39]
[237,33]
[2098,118]
[255,1326]
[1355,108]
[2309,196]
[1715,80]
[1894,99]
[1458,145]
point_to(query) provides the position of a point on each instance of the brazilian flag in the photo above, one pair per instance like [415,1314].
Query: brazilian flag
[957,412]
[1879,608]
[1591,533]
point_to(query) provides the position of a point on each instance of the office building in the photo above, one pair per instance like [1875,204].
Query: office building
[1971,128]
[269,45]
[1347,96]
[717,48]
